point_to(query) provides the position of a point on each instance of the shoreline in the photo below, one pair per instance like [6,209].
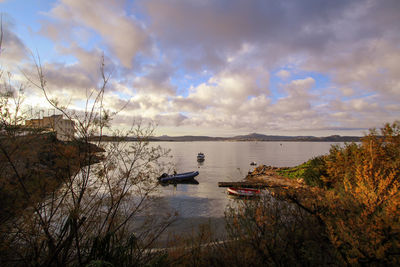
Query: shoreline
[271,178]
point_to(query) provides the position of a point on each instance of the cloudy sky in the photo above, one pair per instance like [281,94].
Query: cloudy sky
[216,67]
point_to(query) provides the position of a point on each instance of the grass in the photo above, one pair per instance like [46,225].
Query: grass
[295,172]
[311,171]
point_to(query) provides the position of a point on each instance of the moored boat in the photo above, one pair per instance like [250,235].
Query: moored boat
[178,177]
[243,192]
[200,157]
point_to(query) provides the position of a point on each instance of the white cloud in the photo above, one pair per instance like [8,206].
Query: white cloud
[347,91]
[230,88]
[350,48]
[283,74]
[122,33]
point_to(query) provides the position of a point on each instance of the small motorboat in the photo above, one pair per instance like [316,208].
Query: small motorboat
[200,157]
[243,192]
[164,178]
[253,163]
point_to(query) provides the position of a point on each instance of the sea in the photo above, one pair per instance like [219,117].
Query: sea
[205,202]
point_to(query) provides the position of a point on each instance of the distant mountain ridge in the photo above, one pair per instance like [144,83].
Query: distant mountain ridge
[248,137]
[259,137]
[188,138]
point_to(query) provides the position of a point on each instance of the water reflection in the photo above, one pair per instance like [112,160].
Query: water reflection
[226,161]
[175,183]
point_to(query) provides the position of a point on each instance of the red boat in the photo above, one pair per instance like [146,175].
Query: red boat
[243,192]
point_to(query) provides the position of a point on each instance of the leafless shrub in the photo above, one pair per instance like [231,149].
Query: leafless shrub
[83,198]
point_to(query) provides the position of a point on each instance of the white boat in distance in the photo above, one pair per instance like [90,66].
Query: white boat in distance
[200,157]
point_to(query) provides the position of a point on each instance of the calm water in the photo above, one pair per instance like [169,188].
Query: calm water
[224,161]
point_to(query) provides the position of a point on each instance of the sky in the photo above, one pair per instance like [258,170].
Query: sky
[214,67]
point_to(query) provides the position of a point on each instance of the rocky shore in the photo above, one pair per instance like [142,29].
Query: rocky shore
[288,189]
[271,177]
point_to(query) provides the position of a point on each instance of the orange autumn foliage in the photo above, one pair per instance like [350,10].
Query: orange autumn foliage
[363,212]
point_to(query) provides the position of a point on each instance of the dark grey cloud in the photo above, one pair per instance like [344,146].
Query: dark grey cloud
[206,32]
[157,79]
[174,119]
[13,50]
[215,28]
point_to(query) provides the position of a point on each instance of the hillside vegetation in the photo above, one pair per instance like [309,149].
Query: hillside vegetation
[347,214]
[359,204]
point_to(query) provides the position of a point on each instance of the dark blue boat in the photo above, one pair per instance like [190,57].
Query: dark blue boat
[178,177]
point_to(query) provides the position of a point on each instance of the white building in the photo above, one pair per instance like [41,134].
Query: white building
[64,128]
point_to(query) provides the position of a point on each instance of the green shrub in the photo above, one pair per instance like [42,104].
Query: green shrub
[316,169]
[311,171]
[294,172]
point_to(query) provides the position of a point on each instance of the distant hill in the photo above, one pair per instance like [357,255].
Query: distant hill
[262,137]
[248,137]
[188,138]
[259,137]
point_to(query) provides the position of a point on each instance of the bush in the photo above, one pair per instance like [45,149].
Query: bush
[312,171]
[360,211]
[362,214]
[75,207]
[274,232]
[315,171]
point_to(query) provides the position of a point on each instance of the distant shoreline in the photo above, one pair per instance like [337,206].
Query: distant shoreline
[309,141]
[242,138]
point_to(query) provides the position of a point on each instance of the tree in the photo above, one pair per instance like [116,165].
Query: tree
[80,207]
[363,219]
[357,211]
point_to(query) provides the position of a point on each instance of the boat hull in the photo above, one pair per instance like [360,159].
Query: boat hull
[243,192]
[179,177]
[200,157]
